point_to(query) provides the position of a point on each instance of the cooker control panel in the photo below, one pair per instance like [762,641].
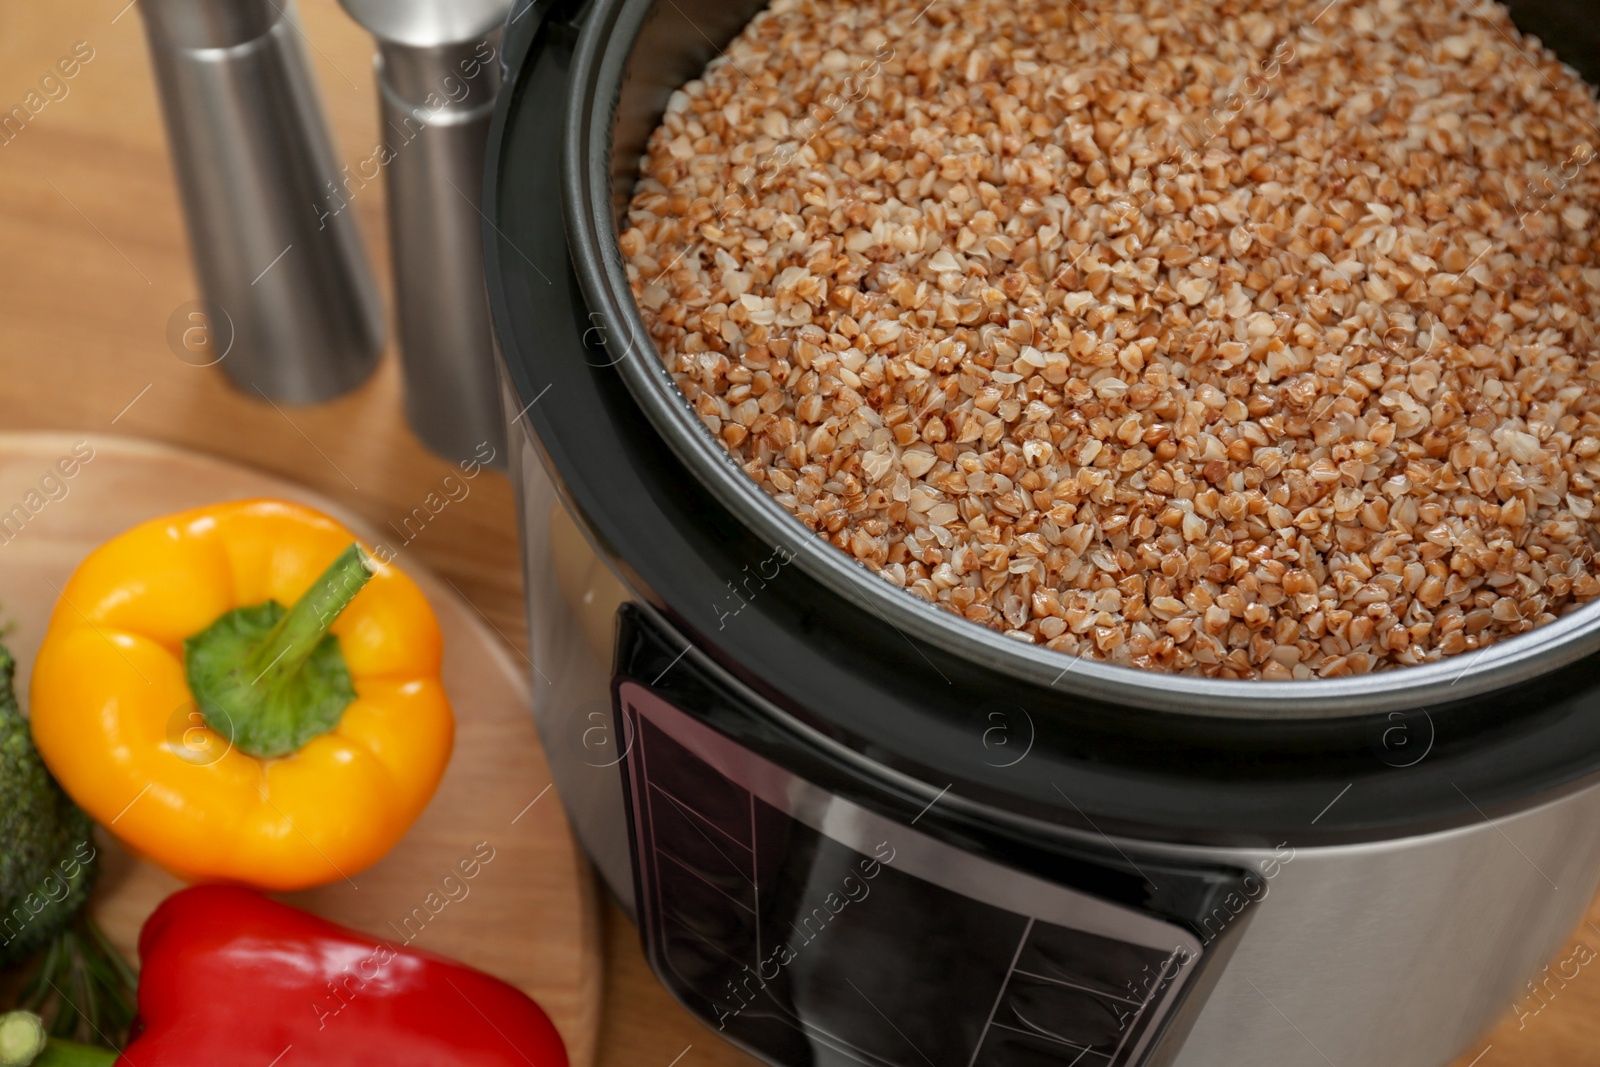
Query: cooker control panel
[813,931]
[857,940]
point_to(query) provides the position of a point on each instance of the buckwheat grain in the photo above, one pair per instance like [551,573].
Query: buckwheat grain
[1198,335]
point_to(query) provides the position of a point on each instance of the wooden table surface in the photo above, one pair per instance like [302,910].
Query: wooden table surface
[93,261]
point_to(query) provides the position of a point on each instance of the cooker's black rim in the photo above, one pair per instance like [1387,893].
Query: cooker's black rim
[832,665]
[602,61]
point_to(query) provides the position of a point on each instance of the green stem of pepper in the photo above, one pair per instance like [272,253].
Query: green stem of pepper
[58,1053]
[290,643]
[269,679]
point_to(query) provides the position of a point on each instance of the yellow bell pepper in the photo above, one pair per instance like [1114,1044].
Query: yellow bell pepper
[228,737]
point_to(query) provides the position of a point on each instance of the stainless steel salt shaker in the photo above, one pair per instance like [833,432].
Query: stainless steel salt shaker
[438,73]
[255,165]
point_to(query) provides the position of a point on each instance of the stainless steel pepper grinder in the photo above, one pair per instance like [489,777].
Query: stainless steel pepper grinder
[303,321]
[438,73]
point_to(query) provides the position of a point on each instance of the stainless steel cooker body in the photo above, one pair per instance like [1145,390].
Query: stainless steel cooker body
[856,830]
[1397,952]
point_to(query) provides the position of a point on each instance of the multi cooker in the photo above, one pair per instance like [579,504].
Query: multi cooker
[854,829]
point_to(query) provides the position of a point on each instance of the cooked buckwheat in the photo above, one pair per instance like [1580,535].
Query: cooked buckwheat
[1215,336]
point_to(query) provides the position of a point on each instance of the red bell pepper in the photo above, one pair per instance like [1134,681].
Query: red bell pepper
[230,977]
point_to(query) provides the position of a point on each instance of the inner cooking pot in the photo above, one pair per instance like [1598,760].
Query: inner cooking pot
[635,53]
[832,649]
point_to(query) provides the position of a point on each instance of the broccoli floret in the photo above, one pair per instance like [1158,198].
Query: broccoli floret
[47,864]
[46,853]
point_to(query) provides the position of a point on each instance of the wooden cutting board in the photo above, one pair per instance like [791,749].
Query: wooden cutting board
[529,916]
